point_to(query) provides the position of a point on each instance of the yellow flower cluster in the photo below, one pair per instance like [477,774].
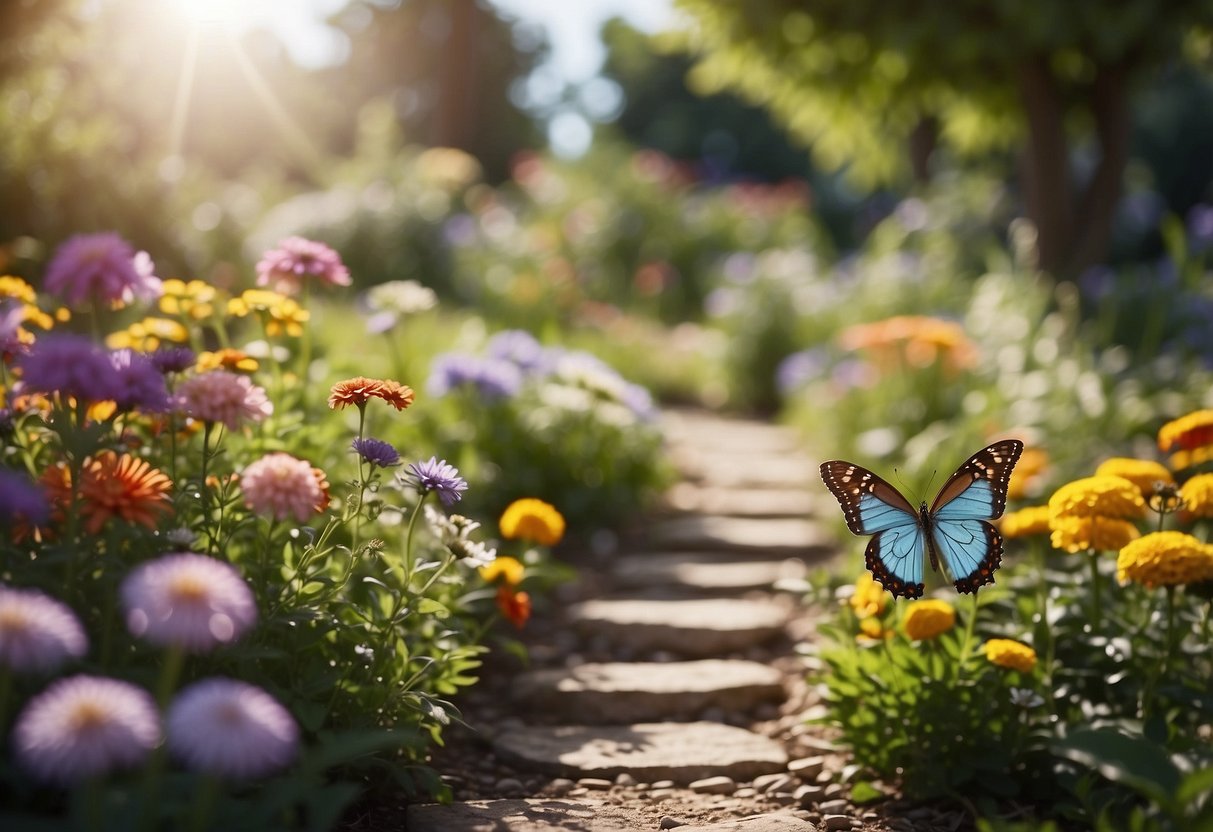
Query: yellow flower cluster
[1165,559]
[236,361]
[509,570]
[916,340]
[1143,473]
[869,598]
[1080,534]
[194,300]
[1033,462]
[1013,655]
[1197,494]
[1195,430]
[1089,513]
[871,629]
[532,520]
[928,619]
[147,335]
[279,313]
[14,288]
[1026,522]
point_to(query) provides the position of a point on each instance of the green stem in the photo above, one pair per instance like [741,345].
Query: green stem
[408,543]
[170,672]
[1096,599]
[966,644]
[205,797]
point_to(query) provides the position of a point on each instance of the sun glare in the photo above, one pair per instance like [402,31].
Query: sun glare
[225,12]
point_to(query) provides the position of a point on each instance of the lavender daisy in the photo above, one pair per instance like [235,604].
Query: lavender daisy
[232,729]
[83,727]
[37,633]
[103,268]
[284,269]
[376,452]
[188,600]
[140,383]
[20,498]
[70,365]
[437,475]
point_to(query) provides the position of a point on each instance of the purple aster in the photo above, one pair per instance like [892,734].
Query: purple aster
[376,452]
[20,497]
[520,348]
[140,383]
[798,369]
[284,269]
[1200,227]
[493,378]
[37,633]
[227,728]
[173,359]
[438,475]
[12,315]
[83,727]
[70,365]
[103,268]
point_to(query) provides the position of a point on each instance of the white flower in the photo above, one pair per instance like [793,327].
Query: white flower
[188,600]
[231,729]
[37,633]
[1026,698]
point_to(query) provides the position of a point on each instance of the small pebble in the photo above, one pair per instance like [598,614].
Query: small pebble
[578,792]
[660,794]
[771,782]
[834,790]
[807,795]
[663,784]
[594,783]
[714,785]
[745,792]
[807,768]
[668,822]
[831,822]
[833,807]
[509,785]
[561,786]
[625,780]
[871,817]
[782,798]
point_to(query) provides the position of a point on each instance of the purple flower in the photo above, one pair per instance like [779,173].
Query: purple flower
[228,728]
[70,365]
[439,476]
[37,633]
[284,269]
[21,498]
[520,348]
[103,268]
[189,600]
[491,377]
[173,359]
[376,452]
[1200,227]
[140,383]
[83,727]
[798,369]
[12,315]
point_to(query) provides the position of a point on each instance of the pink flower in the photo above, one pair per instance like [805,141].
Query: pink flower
[85,726]
[37,633]
[231,729]
[188,600]
[282,487]
[101,267]
[284,269]
[222,396]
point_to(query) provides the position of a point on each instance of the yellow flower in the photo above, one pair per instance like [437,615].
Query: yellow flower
[1195,430]
[510,570]
[15,287]
[1025,522]
[226,359]
[870,629]
[1197,494]
[928,619]
[147,335]
[533,520]
[1103,534]
[1010,654]
[1182,460]
[279,313]
[195,299]
[869,598]
[1105,496]
[1032,463]
[1165,559]
[1141,472]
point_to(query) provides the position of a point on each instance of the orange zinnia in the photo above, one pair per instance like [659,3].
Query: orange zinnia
[515,606]
[396,394]
[355,391]
[122,486]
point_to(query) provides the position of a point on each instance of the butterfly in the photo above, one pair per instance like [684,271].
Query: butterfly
[955,528]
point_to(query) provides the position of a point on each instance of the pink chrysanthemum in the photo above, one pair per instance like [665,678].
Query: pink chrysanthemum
[85,726]
[280,486]
[232,729]
[188,600]
[101,267]
[37,633]
[222,396]
[284,269]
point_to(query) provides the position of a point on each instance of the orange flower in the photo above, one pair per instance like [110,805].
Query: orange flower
[533,520]
[227,358]
[122,486]
[1195,430]
[515,606]
[359,390]
[396,394]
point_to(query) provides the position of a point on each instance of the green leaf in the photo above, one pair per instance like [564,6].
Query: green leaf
[864,792]
[1194,785]
[428,606]
[1131,761]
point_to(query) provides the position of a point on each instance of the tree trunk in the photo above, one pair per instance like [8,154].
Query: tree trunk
[1097,207]
[1046,165]
[454,120]
[923,140]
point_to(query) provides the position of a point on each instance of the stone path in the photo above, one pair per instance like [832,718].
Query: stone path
[672,697]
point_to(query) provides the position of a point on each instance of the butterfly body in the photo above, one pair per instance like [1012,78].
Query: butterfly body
[954,529]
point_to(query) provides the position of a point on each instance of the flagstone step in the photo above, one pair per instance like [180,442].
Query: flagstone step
[703,571]
[742,535]
[745,470]
[646,691]
[698,627]
[679,751]
[553,815]
[683,429]
[741,502]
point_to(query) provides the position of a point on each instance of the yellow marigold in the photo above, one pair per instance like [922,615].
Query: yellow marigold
[510,570]
[1182,460]
[870,629]
[1013,655]
[928,619]
[1197,494]
[1079,534]
[227,358]
[15,287]
[533,520]
[195,299]
[147,335]
[1032,463]
[1106,496]
[1025,522]
[1165,559]
[869,598]
[1141,472]
[1195,430]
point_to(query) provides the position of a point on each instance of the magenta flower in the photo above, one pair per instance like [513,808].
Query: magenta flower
[296,259]
[188,600]
[37,633]
[438,475]
[280,486]
[225,397]
[103,268]
[232,729]
[85,726]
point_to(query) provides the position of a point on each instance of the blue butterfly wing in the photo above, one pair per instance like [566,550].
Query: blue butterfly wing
[970,547]
[872,506]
